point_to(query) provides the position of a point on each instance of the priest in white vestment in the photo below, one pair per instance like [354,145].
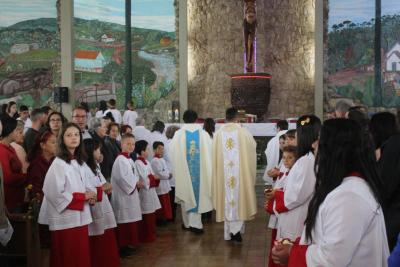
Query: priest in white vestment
[190,154]
[234,176]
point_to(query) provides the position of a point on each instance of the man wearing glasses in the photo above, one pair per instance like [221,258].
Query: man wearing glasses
[79,117]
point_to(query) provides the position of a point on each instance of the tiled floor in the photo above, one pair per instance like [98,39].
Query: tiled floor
[174,247]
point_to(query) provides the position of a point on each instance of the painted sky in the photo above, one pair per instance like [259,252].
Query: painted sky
[359,10]
[150,14]
[12,11]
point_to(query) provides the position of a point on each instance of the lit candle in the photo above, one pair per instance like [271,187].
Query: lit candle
[176,114]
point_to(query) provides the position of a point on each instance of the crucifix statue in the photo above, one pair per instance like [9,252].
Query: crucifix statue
[249,30]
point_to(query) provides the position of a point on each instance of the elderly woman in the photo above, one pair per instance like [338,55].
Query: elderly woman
[17,145]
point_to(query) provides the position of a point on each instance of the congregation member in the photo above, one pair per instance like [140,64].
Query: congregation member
[38,119]
[12,110]
[190,154]
[341,109]
[101,110]
[65,207]
[386,136]
[126,129]
[169,133]
[13,177]
[79,117]
[272,152]
[112,108]
[140,131]
[102,240]
[234,175]
[345,225]
[55,121]
[292,203]
[130,115]
[18,145]
[24,117]
[4,223]
[289,158]
[160,169]
[125,197]
[149,202]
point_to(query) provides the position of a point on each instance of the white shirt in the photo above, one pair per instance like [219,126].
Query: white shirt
[168,161]
[129,118]
[141,133]
[125,197]
[349,229]
[99,114]
[279,184]
[148,197]
[102,212]
[298,191]
[159,166]
[61,181]
[272,154]
[27,124]
[116,114]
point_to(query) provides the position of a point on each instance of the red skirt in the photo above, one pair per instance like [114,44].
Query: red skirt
[147,229]
[165,213]
[70,247]
[128,234]
[103,249]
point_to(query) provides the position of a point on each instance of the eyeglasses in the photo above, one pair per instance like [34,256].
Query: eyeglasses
[79,117]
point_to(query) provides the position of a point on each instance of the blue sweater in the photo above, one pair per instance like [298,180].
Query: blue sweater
[394,259]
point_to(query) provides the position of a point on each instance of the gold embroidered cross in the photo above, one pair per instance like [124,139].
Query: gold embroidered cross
[230,144]
[232,182]
[231,164]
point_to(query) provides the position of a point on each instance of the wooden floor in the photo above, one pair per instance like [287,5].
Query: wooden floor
[174,247]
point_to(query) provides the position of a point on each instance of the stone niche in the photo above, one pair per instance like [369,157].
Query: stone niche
[285,49]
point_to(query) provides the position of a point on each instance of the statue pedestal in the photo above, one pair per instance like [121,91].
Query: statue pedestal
[251,92]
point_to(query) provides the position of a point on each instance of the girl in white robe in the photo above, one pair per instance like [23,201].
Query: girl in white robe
[345,226]
[65,206]
[102,230]
[148,197]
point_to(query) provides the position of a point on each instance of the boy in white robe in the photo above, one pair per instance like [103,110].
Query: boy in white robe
[130,115]
[125,197]
[148,197]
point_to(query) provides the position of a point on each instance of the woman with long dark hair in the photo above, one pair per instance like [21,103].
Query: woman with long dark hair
[384,129]
[65,206]
[55,121]
[291,203]
[209,126]
[345,224]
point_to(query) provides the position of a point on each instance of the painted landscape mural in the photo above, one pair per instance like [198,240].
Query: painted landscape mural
[100,51]
[29,51]
[351,53]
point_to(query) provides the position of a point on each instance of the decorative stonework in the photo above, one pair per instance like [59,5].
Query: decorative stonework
[285,49]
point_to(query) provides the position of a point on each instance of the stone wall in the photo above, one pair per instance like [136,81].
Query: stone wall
[285,48]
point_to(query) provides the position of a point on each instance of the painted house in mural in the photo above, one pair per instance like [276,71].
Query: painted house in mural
[393,58]
[107,38]
[19,48]
[89,61]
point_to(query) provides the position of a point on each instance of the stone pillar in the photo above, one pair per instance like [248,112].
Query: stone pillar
[319,60]
[183,56]
[67,53]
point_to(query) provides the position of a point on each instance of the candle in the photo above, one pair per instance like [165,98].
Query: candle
[176,115]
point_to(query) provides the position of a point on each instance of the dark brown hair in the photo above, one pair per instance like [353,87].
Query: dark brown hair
[42,138]
[290,149]
[63,153]
[112,124]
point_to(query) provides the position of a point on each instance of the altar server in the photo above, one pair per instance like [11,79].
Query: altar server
[272,151]
[292,203]
[234,176]
[345,224]
[125,197]
[160,169]
[190,153]
[148,197]
[102,229]
[65,206]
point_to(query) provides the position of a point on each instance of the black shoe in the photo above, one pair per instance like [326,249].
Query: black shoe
[236,237]
[197,231]
[126,252]
[184,228]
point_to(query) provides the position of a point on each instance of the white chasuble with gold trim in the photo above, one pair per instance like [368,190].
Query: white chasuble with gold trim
[230,143]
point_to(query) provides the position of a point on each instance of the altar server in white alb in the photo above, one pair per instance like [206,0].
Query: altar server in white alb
[148,197]
[65,208]
[272,152]
[190,153]
[234,176]
[292,203]
[130,115]
[345,226]
[125,197]
[102,229]
[160,169]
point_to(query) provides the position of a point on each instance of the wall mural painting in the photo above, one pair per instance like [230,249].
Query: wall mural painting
[100,51]
[351,53]
[29,51]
